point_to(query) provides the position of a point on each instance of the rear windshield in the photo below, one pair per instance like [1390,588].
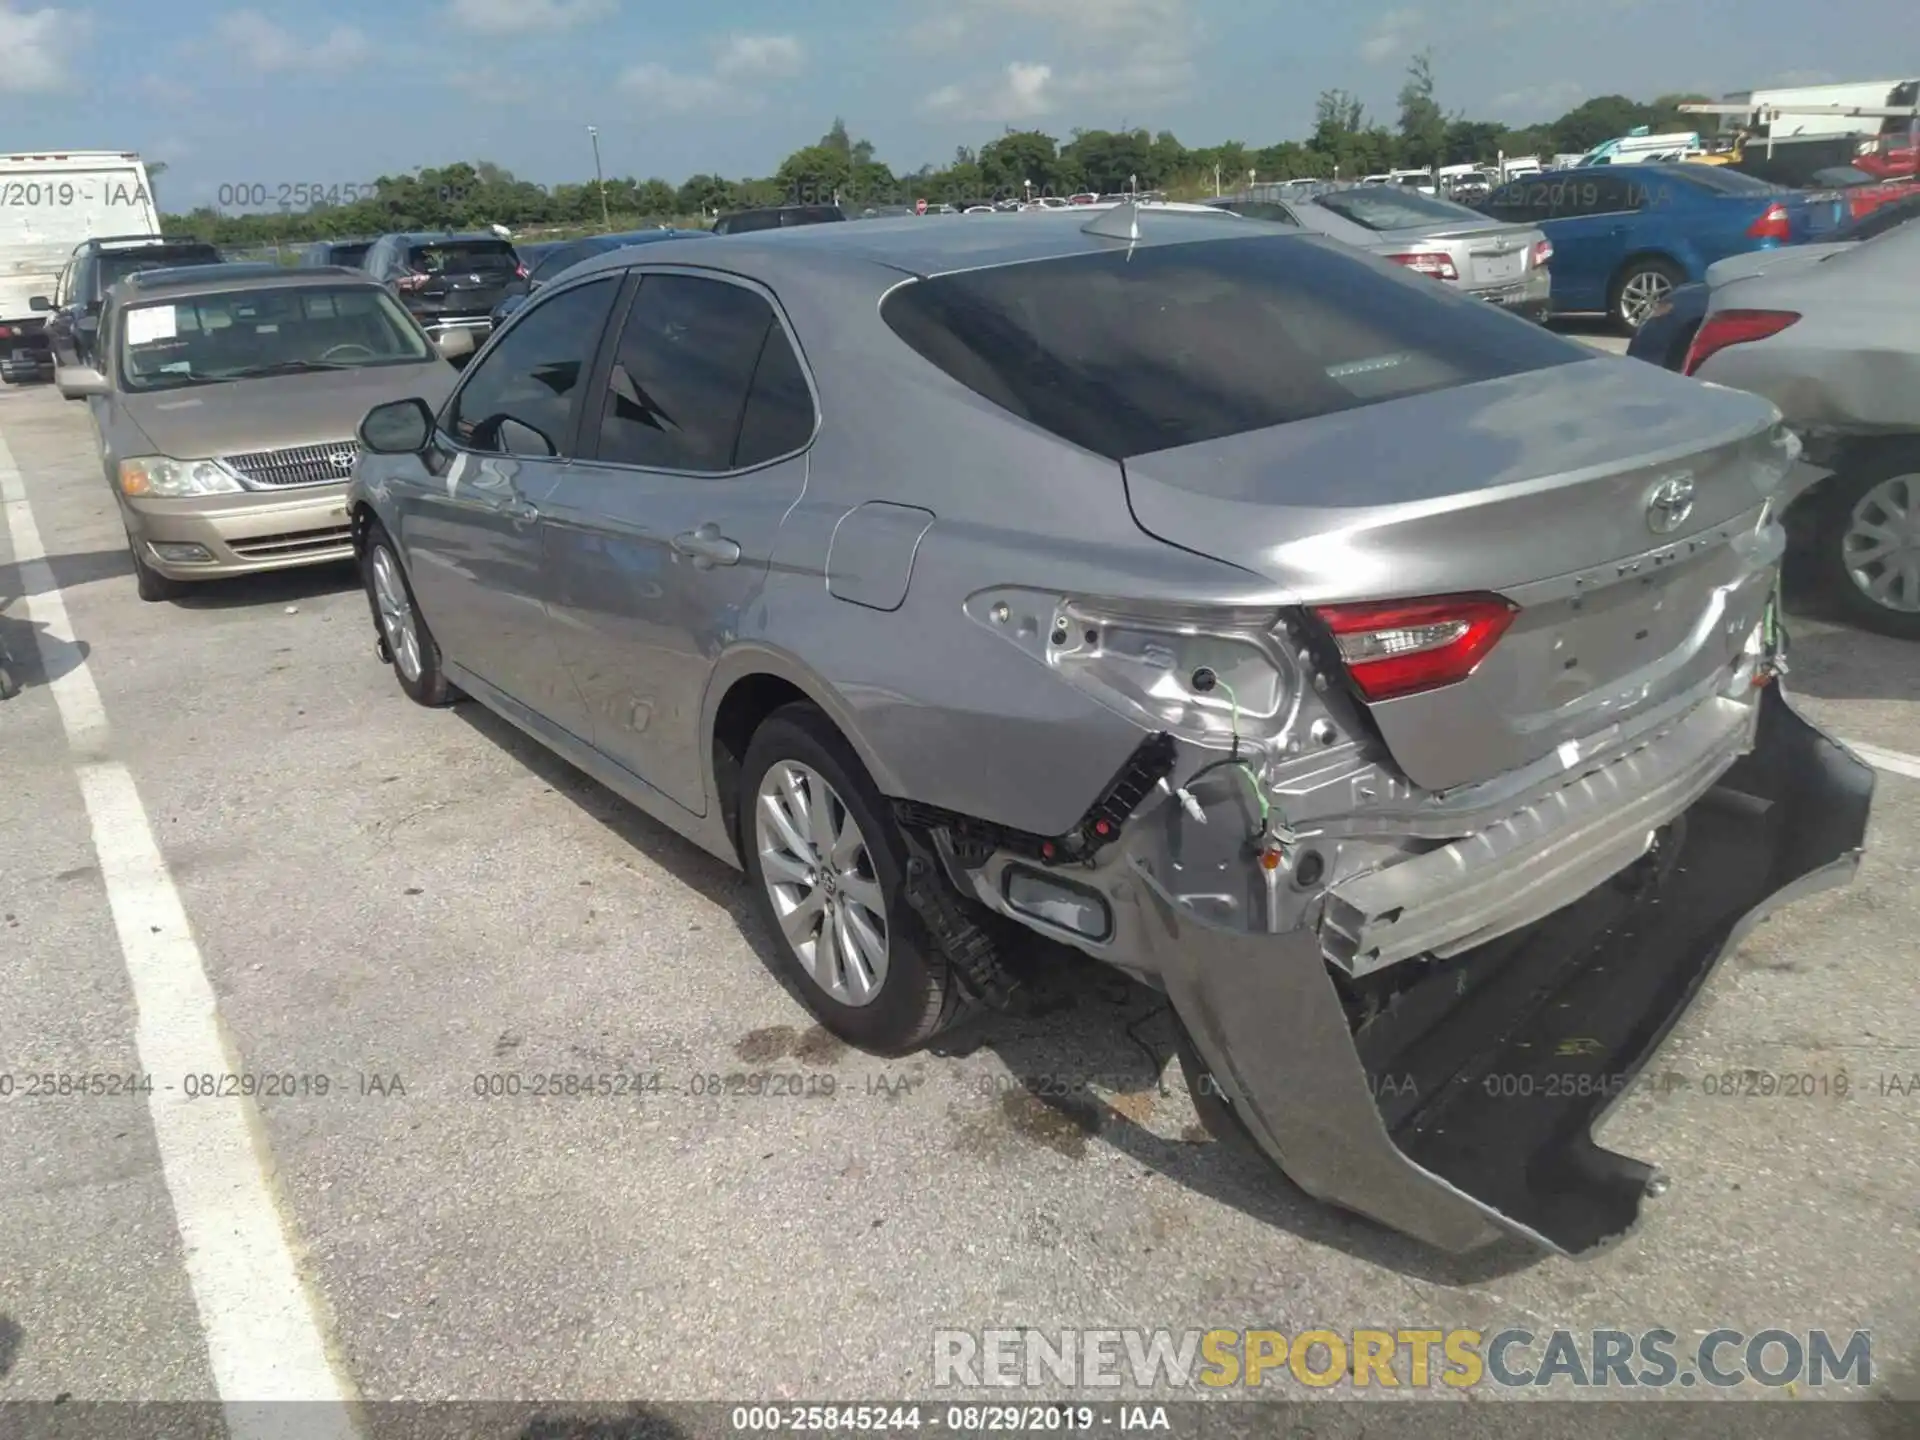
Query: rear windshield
[1125,353]
[1720,178]
[116,266]
[1385,207]
[440,256]
[748,220]
[350,254]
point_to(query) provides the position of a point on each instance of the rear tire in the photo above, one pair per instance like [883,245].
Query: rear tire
[1638,288]
[1874,498]
[826,865]
[150,584]
[407,644]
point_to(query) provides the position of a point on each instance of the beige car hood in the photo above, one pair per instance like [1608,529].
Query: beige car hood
[241,416]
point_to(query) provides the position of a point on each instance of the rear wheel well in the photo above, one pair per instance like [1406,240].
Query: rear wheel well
[748,702]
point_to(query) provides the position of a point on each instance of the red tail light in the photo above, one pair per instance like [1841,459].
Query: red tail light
[1734,327]
[1440,267]
[1773,225]
[1542,253]
[1401,647]
[520,272]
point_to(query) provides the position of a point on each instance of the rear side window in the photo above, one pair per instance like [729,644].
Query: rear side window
[681,374]
[778,419]
[1125,353]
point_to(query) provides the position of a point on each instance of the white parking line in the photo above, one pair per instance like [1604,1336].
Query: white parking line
[264,1342]
[1892,760]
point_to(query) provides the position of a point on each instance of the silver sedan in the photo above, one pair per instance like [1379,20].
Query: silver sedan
[1489,259]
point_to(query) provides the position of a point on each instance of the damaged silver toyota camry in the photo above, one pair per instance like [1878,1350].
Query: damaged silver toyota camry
[1392,682]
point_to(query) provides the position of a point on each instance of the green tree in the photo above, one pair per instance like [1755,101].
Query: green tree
[1012,160]
[815,175]
[1423,125]
[1595,121]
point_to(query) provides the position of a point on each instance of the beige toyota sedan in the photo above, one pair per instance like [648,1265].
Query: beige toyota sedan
[226,406]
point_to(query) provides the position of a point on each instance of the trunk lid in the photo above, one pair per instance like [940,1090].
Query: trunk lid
[1537,487]
[1489,253]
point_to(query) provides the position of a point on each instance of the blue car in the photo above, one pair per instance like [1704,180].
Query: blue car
[1625,236]
[567,254]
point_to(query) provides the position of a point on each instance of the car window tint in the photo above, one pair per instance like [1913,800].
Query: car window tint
[778,419]
[534,374]
[680,375]
[1613,193]
[1125,352]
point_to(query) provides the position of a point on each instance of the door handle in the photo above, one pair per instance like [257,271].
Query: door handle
[707,547]
[520,512]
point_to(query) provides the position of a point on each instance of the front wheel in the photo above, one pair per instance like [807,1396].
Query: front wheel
[405,641]
[1638,291]
[1866,550]
[151,585]
[826,864]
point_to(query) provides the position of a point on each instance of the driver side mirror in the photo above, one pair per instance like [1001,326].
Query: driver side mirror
[79,382]
[454,344]
[399,427]
[40,302]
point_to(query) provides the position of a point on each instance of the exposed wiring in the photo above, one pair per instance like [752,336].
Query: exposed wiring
[1234,762]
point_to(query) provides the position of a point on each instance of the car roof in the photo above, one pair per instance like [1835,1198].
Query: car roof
[922,246]
[246,275]
[442,237]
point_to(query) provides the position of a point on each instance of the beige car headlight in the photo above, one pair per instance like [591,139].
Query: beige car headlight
[164,478]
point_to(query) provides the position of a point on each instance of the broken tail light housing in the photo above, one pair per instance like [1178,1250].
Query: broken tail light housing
[1734,327]
[1773,224]
[1402,647]
[1439,266]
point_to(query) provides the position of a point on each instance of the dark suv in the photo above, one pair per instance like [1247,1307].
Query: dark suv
[96,267]
[322,253]
[776,217]
[449,282]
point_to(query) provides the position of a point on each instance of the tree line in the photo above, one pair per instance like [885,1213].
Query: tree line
[1346,143]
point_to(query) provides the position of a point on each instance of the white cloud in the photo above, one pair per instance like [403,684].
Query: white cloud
[1018,93]
[265,48]
[515,17]
[1139,50]
[734,85]
[1788,78]
[677,92]
[1548,101]
[35,48]
[759,57]
[1390,36]
[489,84]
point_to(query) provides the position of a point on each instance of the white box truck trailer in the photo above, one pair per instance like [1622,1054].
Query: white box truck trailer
[49,203]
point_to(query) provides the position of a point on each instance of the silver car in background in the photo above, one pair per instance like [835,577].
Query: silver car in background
[1389,681]
[1491,260]
[1831,335]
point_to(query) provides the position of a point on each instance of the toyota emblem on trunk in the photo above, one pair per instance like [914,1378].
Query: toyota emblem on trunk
[1670,504]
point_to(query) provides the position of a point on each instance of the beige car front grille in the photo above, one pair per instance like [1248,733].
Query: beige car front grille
[326,464]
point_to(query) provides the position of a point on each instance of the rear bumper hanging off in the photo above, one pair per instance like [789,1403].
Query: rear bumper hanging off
[1466,1108]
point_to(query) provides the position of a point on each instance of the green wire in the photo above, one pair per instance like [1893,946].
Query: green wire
[1253,781]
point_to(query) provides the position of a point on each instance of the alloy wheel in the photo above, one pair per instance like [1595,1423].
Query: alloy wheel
[396,613]
[1881,545]
[820,877]
[1641,293]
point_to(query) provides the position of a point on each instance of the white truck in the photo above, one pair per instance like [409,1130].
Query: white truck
[1808,110]
[49,203]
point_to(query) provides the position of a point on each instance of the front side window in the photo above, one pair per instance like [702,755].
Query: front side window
[1126,352]
[534,375]
[682,372]
[244,334]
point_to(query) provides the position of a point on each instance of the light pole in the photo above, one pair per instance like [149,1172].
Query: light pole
[1216,182]
[606,221]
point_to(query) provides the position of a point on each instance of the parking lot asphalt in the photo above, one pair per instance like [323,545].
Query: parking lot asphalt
[423,906]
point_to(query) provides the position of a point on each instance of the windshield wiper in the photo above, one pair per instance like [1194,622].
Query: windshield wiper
[282,367]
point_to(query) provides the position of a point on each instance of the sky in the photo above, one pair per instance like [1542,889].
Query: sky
[335,92]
